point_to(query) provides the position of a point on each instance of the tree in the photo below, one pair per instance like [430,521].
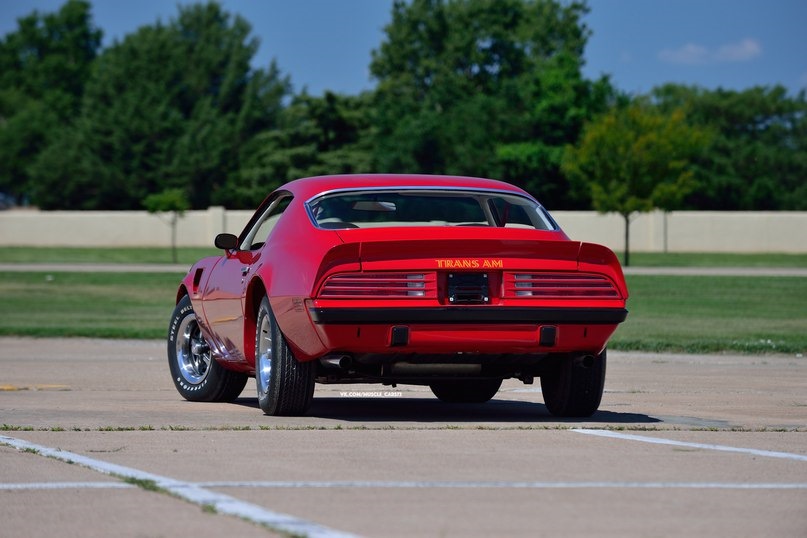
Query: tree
[483,87]
[169,107]
[315,136]
[175,203]
[43,69]
[636,158]
[758,160]
[561,102]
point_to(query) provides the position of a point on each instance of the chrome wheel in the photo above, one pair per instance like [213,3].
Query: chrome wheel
[192,351]
[194,370]
[285,385]
[263,353]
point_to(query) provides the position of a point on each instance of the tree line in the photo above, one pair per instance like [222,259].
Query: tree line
[175,116]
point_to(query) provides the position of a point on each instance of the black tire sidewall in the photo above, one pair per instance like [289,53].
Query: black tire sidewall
[218,384]
[466,390]
[267,400]
[189,391]
[291,385]
[572,390]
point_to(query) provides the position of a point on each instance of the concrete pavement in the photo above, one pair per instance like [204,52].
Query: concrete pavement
[682,445]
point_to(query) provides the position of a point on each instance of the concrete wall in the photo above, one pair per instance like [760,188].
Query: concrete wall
[692,231]
[683,231]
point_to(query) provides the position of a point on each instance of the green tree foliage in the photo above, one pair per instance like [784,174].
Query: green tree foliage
[561,104]
[170,106]
[477,87]
[635,159]
[483,87]
[44,66]
[759,157]
[315,136]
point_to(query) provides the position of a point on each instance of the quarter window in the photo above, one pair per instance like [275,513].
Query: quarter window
[263,228]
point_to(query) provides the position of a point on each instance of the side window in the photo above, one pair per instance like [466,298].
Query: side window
[514,213]
[260,232]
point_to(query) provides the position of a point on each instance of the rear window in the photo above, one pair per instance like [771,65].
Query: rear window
[424,207]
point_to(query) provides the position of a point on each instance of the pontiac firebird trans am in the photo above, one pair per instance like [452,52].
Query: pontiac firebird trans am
[452,282]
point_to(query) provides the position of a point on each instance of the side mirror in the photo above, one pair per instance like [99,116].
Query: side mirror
[226,242]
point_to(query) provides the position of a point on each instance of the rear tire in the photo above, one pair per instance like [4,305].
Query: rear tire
[573,387]
[197,376]
[466,390]
[285,385]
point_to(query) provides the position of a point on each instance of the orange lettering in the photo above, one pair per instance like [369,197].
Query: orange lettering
[468,263]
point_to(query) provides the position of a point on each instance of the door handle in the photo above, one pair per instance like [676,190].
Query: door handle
[244,270]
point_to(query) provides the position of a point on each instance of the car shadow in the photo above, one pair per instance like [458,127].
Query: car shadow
[432,410]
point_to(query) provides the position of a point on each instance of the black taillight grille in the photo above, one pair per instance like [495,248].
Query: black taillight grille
[559,286]
[381,285]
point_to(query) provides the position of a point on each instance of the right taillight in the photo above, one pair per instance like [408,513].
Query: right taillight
[558,286]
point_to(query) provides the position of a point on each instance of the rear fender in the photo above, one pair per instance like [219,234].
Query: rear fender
[599,259]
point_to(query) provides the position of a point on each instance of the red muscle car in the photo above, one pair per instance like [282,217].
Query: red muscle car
[452,282]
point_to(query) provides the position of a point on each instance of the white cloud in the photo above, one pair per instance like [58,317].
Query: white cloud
[690,54]
[694,54]
[745,50]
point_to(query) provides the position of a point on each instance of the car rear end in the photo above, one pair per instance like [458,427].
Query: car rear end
[444,289]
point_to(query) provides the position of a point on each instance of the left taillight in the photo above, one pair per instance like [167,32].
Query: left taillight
[382,285]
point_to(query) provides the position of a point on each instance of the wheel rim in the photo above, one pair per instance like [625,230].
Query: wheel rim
[193,353]
[263,370]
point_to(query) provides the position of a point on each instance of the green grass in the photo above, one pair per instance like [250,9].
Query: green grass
[103,305]
[667,313]
[713,313]
[185,255]
[701,259]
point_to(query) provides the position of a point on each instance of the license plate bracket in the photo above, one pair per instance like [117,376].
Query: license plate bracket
[468,288]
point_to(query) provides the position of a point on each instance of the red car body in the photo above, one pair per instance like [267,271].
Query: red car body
[455,305]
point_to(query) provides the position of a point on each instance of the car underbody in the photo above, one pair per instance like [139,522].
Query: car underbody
[391,369]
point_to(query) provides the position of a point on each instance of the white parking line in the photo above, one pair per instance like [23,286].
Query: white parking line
[390,484]
[188,491]
[661,441]
[360,484]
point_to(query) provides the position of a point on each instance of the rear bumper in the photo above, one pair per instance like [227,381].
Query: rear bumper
[497,330]
[469,315]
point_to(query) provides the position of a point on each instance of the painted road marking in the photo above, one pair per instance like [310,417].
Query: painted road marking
[391,484]
[705,446]
[360,484]
[188,491]
[15,388]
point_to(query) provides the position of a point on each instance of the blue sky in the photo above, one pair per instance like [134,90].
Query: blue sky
[326,44]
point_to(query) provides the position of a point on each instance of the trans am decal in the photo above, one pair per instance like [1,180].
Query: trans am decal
[469,263]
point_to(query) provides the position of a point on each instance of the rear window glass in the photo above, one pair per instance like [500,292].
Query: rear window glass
[389,208]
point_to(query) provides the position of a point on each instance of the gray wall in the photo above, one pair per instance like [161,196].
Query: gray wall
[683,231]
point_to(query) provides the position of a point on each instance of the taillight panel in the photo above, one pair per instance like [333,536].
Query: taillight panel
[422,285]
[441,286]
[558,286]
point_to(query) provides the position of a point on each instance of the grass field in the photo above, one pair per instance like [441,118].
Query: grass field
[667,313]
[715,313]
[105,305]
[101,255]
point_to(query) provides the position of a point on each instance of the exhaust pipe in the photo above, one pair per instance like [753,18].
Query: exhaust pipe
[433,369]
[337,362]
